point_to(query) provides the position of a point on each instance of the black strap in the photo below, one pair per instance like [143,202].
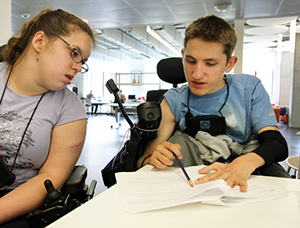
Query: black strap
[24,133]
[35,108]
[6,83]
[226,96]
[188,101]
[133,150]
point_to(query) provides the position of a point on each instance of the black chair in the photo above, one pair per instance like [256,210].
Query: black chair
[155,95]
[169,70]
[282,111]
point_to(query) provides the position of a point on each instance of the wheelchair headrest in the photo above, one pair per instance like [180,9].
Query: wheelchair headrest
[171,70]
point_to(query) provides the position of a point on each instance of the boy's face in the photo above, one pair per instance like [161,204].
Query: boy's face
[204,66]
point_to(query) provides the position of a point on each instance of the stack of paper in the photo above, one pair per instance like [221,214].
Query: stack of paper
[145,191]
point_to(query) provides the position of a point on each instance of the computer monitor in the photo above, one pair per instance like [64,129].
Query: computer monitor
[131,97]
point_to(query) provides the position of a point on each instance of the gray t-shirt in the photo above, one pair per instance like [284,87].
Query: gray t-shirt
[56,108]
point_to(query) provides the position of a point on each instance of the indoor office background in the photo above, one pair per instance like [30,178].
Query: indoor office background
[268,47]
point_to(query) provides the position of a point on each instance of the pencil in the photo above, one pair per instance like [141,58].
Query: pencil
[183,170]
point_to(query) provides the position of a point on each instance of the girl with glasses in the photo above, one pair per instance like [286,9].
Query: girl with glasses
[42,123]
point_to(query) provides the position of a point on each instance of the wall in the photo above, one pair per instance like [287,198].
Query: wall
[286,78]
[262,63]
[5,21]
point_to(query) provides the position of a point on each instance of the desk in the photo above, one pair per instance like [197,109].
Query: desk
[105,210]
[99,103]
[129,107]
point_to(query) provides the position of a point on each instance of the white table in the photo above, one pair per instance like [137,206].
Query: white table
[129,107]
[99,103]
[105,210]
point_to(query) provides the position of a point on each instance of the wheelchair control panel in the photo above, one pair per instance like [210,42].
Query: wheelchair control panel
[59,202]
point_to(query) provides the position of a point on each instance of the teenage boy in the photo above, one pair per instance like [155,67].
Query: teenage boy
[226,108]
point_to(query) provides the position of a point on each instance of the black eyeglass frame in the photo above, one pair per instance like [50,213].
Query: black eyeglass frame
[84,66]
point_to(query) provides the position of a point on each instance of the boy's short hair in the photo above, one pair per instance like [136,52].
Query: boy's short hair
[212,29]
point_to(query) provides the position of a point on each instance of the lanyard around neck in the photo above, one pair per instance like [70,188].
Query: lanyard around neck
[188,101]
[31,117]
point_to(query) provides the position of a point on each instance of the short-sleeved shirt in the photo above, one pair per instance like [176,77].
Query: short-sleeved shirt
[56,108]
[247,109]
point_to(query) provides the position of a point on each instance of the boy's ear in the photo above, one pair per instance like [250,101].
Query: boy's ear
[231,63]
[38,41]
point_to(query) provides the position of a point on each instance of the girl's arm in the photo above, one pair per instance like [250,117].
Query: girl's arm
[66,144]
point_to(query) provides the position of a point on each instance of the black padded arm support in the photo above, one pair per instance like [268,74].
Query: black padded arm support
[273,147]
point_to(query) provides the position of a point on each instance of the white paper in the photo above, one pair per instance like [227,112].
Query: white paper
[144,191]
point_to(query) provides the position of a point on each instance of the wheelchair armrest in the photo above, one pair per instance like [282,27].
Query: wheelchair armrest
[76,181]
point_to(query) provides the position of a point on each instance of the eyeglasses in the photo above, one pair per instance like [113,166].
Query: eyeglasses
[75,55]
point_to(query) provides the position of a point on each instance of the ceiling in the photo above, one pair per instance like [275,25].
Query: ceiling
[120,25]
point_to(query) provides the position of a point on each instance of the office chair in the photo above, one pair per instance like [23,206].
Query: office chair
[88,105]
[293,163]
[284,115]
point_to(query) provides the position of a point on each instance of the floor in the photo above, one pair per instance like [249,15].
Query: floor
[104,141]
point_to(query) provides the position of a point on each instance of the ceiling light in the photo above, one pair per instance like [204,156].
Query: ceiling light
[266,30]
[222,7]
[85,20]
[160,39]
[99,31]
[25,15]
[261,38]
[270,21]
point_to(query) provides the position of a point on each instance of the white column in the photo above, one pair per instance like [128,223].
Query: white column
[239,28]
[275,96]
[5,21]
[294,120]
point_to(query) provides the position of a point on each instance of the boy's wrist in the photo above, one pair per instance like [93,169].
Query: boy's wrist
[143,160]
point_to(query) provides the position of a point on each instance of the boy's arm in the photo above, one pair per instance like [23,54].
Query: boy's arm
[238,171]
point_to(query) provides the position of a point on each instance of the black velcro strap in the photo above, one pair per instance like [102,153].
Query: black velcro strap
[273,147]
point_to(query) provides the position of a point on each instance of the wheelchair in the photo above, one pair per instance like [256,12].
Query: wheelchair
[149,116]
[60,202]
